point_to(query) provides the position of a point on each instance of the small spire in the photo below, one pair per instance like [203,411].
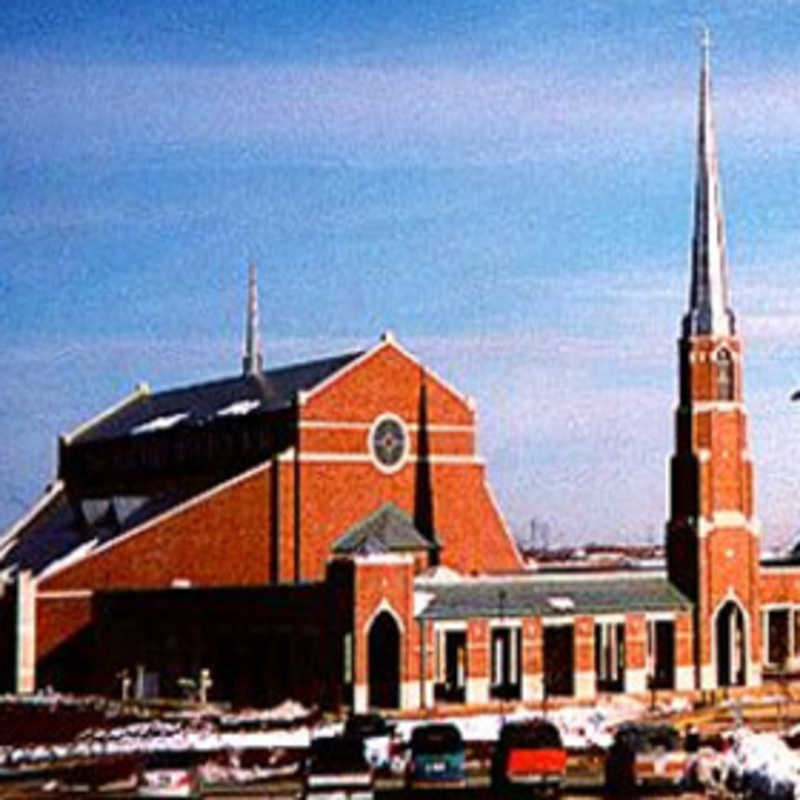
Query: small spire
[709,300]
[253,360]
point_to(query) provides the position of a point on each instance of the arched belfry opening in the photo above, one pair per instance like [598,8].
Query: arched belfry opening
[384,662]
[731,645]
[725,387]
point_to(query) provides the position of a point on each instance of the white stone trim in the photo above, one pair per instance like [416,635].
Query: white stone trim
[376,559]
[505,622]
[703,455]
[553,621]
[708,677]
[585,684]
[140,390]
[608,618]
[158,519]
[777,569]
[450,625]
[25,672]
[385,605]
[389,469]
[360,698]
[684,678]
[8,539]
[65,594]
[754,674]
[532,687]
[635,680]
[410,695]
[702,406]
[366,458]
[476,691]
[557,577]
[314,424]
[660,616]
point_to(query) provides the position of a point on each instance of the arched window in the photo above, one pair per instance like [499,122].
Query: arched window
[724,374]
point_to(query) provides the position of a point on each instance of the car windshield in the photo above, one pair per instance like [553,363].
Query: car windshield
[365,725]
[644,738]
[336,754]
[436,739]
[538,735]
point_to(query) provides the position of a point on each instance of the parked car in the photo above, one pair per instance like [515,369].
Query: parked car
[529,759]
[337,770]
[437,757]
[644,755]
[170,774]
[377,736]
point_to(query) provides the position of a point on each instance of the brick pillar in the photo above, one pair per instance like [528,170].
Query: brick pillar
[427,665]
[635,653]
[532,659]
[585,680]
[26,633]
[684,661]
[477,662]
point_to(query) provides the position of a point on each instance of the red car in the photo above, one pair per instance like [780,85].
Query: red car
[529,758]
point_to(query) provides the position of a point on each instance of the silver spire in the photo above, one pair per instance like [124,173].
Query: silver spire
[253,360]
[709,301]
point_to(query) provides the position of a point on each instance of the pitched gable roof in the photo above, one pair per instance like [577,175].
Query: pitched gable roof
[387,530]
[194,405]
[612,593]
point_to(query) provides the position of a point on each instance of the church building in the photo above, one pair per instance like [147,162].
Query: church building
[326,531]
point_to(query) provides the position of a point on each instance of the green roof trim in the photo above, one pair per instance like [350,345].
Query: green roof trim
[614,594]
[387,530]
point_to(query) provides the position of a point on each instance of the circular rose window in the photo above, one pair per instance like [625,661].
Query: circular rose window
[388,442]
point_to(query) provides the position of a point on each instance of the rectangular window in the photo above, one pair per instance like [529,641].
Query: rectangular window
[778,633]
[797,631]
[347,664]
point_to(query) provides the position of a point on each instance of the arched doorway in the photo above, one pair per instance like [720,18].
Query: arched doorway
[384,662]
[731,645]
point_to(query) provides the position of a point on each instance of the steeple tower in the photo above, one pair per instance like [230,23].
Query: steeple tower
[253,359]
[713,537]
[709,300]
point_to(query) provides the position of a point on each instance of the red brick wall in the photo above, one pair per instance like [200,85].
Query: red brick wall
[780,585]
[58,619]
[684,640]
[583,632]
[387,380]
[221,539]
[635,641]
[375,582]
[532,646]
[478,664]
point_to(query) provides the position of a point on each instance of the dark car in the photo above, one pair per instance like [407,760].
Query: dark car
[377,736]
[644,755]
[336,768]
[529,759]
[437,757]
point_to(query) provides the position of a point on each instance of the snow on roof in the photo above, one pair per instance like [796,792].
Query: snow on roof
[74,555]
[159,423]
[439,574]
[239,408]
[561,603]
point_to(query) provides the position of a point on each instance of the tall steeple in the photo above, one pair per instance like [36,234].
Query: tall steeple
[709,301]
[713,535]
[253,359]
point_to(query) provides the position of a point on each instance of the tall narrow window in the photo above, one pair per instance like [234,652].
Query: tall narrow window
[724,375]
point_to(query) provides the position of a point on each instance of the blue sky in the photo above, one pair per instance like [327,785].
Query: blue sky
[506,185]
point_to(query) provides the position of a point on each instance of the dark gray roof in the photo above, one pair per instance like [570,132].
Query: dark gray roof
[273,389]
[384,531]
[545,597]
[61,527]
